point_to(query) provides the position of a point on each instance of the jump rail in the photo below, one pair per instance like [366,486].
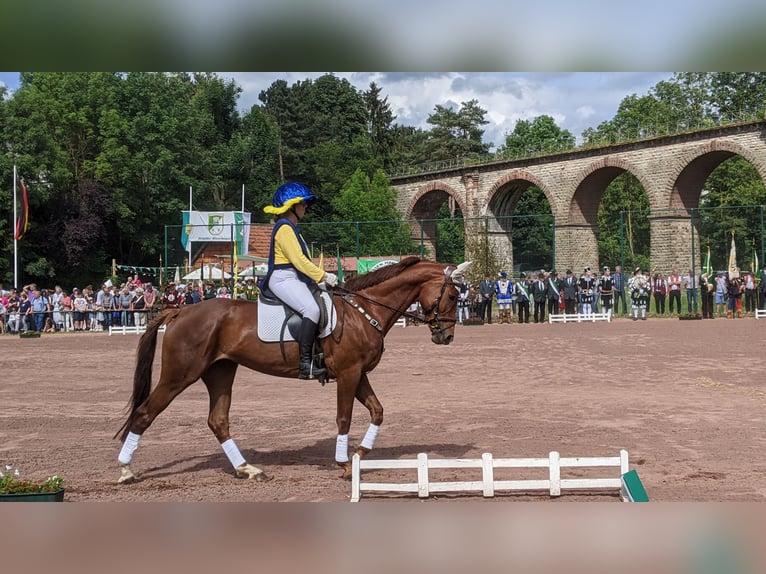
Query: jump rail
[760,313]
[134,330]
[580,318]
[488,485]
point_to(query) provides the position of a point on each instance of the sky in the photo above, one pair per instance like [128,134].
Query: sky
[575,100]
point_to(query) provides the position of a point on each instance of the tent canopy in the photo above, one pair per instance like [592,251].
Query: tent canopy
[210,272]
[259,270]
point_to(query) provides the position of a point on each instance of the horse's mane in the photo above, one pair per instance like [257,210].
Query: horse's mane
[375,277]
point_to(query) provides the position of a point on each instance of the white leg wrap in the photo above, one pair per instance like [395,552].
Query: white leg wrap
[128,448]
[369,438]
[341,448]
[232,452]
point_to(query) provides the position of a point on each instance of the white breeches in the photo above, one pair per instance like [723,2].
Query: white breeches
[284,283]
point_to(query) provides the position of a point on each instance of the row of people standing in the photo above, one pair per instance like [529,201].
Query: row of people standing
[531,296]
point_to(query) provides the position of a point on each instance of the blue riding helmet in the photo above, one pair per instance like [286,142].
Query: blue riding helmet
[287,195]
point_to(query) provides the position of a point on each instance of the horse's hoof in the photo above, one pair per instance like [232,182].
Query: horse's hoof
[251,472]
[346,466]
[126,475]
[362,451]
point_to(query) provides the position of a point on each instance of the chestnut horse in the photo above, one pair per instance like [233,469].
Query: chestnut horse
[210,339]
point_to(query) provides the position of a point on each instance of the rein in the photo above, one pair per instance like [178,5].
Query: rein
[433,323]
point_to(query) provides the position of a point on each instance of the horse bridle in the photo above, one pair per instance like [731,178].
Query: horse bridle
[434,323]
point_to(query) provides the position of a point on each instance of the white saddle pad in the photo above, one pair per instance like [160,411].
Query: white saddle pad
[272,317]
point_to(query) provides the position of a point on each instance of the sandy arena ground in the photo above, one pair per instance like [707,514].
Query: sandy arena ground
[685,398]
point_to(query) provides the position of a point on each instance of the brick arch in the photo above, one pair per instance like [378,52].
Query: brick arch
[516,175]
[695,165]
[436,186]
[583,205]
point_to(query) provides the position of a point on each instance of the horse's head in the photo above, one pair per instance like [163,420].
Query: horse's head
[438,299]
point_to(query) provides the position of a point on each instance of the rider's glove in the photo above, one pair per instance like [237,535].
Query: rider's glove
[330,279]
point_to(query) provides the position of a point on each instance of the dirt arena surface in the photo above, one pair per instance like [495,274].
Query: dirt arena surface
[685,398]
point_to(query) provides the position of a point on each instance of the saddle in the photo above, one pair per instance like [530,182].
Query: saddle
[279,323]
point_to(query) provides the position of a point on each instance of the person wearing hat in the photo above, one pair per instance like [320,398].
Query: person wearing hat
[504,292]
[570,293]
[523,298]
[171,298]
[586,285]
[606,289]
[291,271]
[250,290]
[639,287]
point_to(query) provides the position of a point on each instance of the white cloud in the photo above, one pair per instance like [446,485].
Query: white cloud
[575,100]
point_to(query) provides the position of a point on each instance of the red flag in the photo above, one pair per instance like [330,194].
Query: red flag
[22,222]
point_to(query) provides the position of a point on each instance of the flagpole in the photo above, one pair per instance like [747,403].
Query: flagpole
[15,240]
[188,244]
[243,197]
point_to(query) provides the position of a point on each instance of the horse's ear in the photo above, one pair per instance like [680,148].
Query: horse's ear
[459,273]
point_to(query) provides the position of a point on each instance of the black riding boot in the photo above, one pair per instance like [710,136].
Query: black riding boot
[306,343]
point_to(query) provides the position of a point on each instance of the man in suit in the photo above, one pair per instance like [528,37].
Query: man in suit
[523,297]
[570,293]
[620,287]
[553,287]
[538,293]
[486,292]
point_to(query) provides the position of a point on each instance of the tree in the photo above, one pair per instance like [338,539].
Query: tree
[457,135]
[541,135]
[450,236]
[380,119]
[373,201]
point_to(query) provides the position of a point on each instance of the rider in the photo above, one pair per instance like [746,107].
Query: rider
[291,271]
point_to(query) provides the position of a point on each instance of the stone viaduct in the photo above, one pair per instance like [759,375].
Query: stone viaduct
[672,170]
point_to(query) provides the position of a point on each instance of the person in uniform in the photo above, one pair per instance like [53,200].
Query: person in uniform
[638,286]
[606,288]
[553,290]
[570,293]
[523,298]
[586,287]
[250,290]
[504,291]
[538,290]
[463,303]
[707,290]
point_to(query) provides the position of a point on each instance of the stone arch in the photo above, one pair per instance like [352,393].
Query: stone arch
[591,183]
[438,187]
[695,166]
[517,175]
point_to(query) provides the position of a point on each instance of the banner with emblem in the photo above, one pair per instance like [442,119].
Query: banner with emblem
[733,267]
[216,226]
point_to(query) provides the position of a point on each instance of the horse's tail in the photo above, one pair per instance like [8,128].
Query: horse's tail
[142,379]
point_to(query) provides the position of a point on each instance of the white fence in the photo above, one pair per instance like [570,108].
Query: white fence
[760,313]
[424,487]
[134,330]
[580,318]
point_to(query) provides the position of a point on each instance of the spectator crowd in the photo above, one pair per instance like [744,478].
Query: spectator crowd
[129,304]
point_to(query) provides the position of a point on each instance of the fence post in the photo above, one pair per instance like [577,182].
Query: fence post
[554,473]
[422,475]
[487,475]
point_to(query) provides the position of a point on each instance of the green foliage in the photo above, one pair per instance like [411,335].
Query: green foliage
[370,200]
[12,483]
[532,231]
[450,236]
[623,224]
[541,135]
[457,135]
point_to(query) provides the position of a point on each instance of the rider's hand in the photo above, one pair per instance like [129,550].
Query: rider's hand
[330,279]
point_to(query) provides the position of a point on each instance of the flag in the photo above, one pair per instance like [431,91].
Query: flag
[235,270]
[22,221]
[733,269]
[707,269]
[177,278]
[754,262]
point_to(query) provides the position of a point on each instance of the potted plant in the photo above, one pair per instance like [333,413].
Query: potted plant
[13,488]
[690,316]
